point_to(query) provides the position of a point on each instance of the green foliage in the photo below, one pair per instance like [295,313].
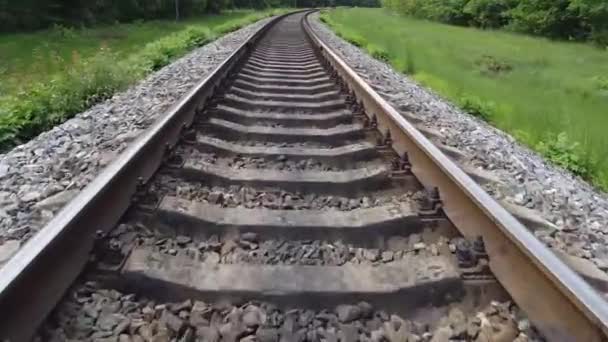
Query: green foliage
[86,81]
[378,53]
[551,18]
[477,107]
[563,19]
[159,53]
[564,152]
[492,66]
[489,13]
[355,39]
[446,11]
[544,87]
[407,64]
[44,105]
[600,82]
[37,14]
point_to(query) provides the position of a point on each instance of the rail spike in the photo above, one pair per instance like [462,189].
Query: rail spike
[388,140]
[431,205]
[374,123]
[473,260]
[402,164]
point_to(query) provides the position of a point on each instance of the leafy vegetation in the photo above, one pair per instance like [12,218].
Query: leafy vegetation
[563,19]
[552,96]
[82,81]
[37,14]
[562,151]
[18,16]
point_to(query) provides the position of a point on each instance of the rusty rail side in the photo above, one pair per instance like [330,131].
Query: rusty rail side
[558,301]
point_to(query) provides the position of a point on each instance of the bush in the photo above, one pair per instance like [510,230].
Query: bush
[477,107]
[406,65]
[379,53]
[489,13]
[563,19]
[549,18]
[446,11]
[88,81]
[356,40]
[600,82]
[159,53]
[44,105]
[594,17]
[566,153]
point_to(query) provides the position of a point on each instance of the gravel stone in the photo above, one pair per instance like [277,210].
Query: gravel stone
[268,252]
[65,159]
[236,196]
[348,313]
[267,335]
[148,320]
[579,211]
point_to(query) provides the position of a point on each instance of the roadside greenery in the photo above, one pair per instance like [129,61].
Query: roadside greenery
[27,15]
[84,81]
[562,19]
[551,96]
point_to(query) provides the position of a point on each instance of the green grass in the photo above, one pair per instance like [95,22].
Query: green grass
[552,96]
[31,57]
[49,76]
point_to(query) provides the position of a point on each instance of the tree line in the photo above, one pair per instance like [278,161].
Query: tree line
[560,19]
[24,15]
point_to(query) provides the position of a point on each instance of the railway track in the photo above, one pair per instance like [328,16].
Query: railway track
[283,199]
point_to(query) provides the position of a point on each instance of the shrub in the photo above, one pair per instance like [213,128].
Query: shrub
[491,66]
[594,17]
[550,18]
[88,81]
[489,13]
[446,11]
[159,53]
[477,107]
[600,82]
[564,19]
[379,53]
[355,39]
[45,104]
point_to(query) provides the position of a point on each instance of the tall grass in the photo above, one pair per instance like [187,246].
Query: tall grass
[72,85]
[552,96]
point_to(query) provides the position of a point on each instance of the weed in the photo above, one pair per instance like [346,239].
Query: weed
[491,66]
[356,40]
[600,82]
[379,53]
[85,81]
[410,63]
[60,31]
[566,153]
[477,107]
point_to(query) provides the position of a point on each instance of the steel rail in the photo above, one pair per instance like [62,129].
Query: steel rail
[558,301]
[36,278]
[562,305]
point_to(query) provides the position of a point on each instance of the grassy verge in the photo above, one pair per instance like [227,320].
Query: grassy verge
[552,96]
[51,75]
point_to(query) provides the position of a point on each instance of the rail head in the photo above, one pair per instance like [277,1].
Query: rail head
[568,308]
[35,279]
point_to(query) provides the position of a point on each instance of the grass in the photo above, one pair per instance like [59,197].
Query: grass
[552,96]
[49,76]
[28,57]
